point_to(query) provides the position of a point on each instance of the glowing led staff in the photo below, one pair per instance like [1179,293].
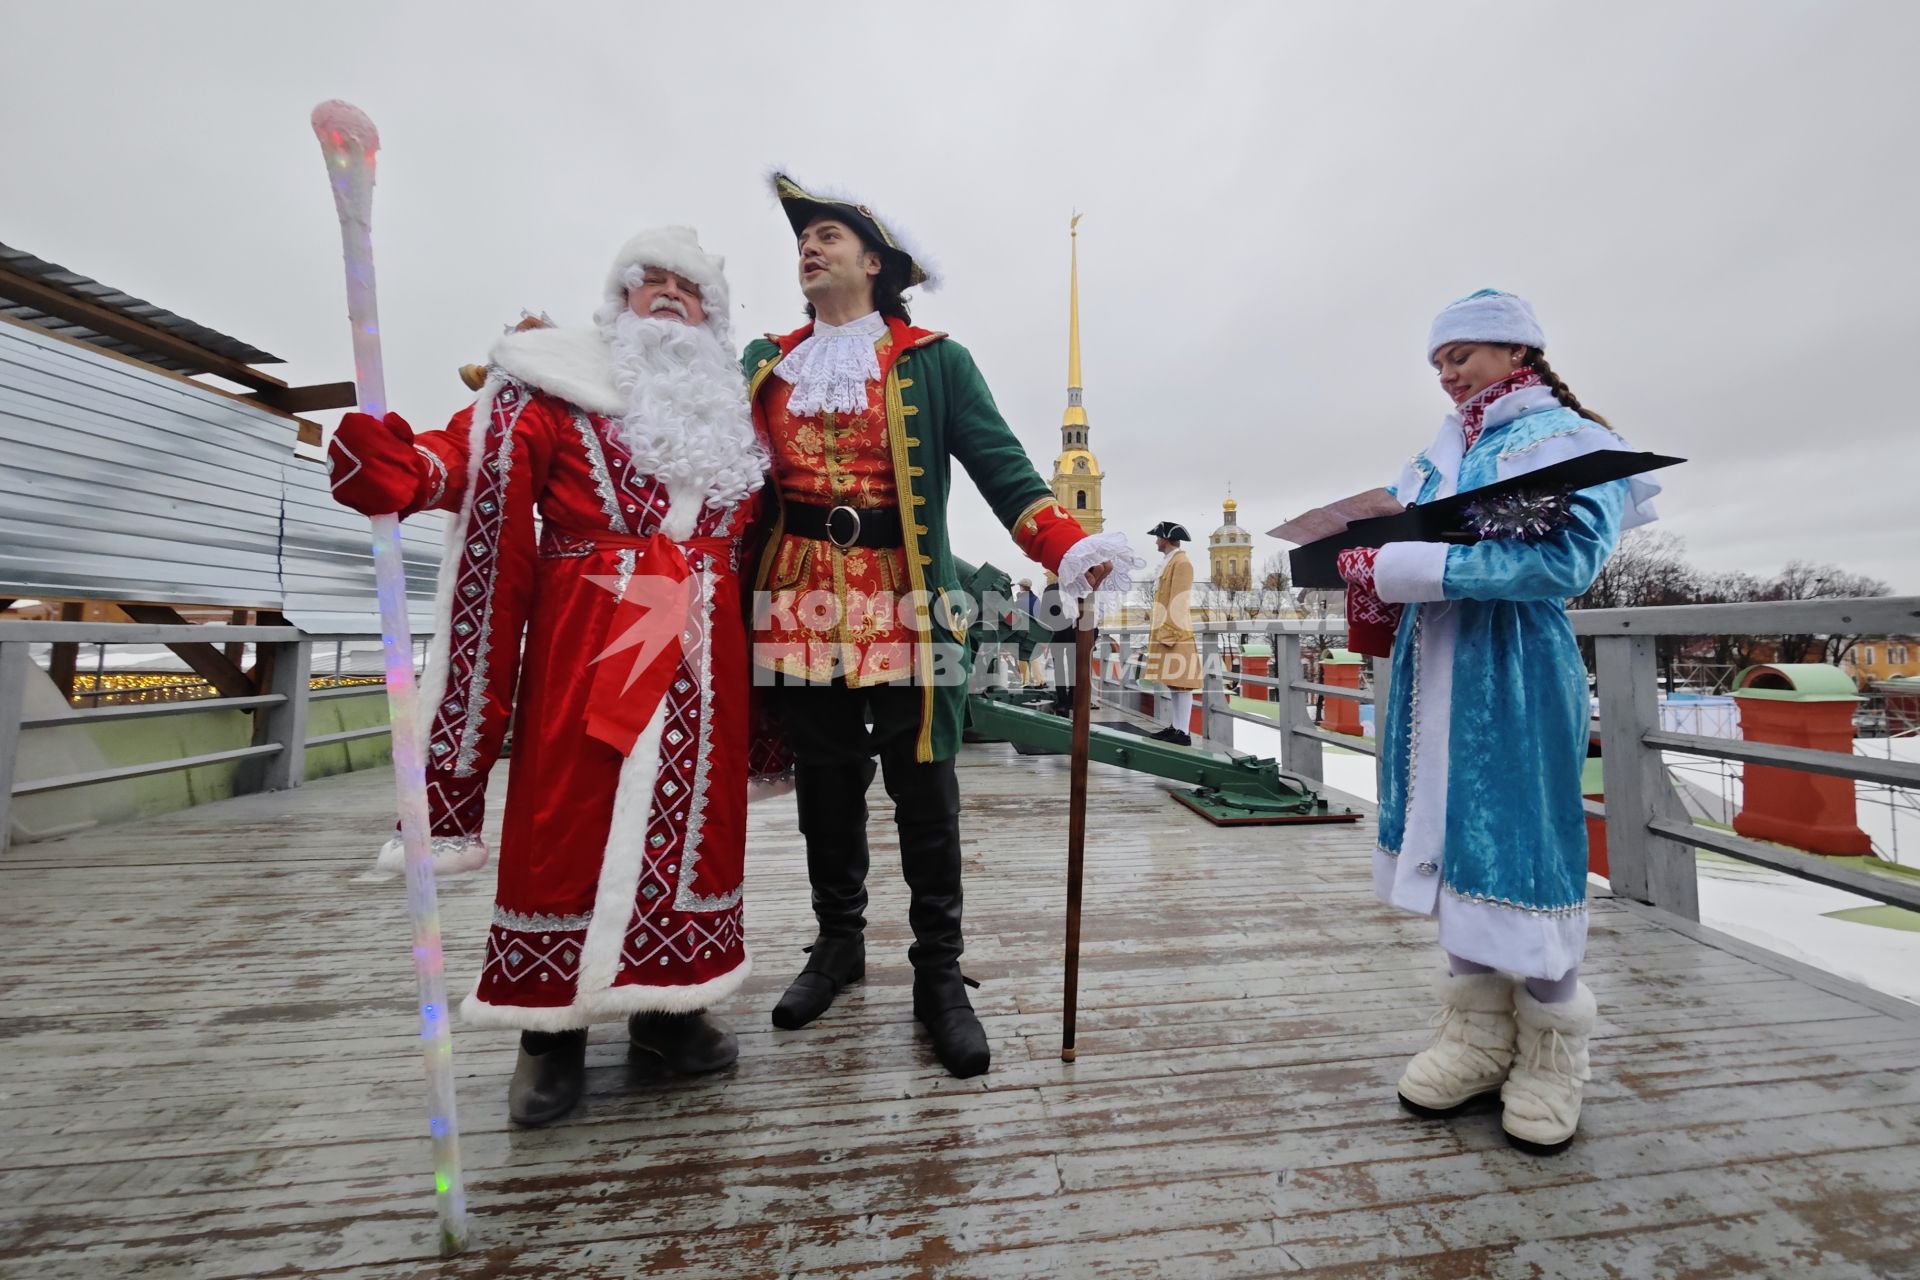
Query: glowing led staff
[349,141]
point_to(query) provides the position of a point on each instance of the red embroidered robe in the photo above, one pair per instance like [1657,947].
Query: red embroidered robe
[620,876]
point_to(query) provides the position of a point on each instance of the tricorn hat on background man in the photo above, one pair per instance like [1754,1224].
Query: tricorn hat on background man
[802,206]
[1170,531]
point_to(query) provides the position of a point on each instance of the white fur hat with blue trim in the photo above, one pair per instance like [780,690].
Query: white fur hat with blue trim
[1486,315]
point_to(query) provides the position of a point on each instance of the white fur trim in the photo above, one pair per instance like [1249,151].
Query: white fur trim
[676,249]
[1518,404]
[1424,837]
[1591,438]
[1411,572]
[451,855]
[607,1006]
[574,364]
[621,861]
[1486,316]
[1532,944]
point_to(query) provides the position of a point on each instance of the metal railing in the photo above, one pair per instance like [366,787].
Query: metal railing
[280,709]
[1650,837]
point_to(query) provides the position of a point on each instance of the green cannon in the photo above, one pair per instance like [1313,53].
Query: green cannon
[1227,790]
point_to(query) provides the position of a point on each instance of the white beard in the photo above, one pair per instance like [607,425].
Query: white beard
[687,422]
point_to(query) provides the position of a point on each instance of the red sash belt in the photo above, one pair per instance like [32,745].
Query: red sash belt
[647,633]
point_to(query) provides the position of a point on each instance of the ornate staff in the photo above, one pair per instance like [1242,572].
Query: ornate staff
[1077,814]
[349,141]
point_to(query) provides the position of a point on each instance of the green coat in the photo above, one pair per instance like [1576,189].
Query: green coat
[938,411]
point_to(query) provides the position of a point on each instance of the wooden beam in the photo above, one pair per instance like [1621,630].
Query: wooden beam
[1835,873]
[66,656]
[109,323]
[206,660]
[320,395]
[1872,616]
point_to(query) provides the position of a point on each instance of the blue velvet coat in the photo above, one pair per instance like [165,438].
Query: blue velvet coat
[1485,731]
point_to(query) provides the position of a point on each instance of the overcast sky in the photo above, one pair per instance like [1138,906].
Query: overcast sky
[1711,205]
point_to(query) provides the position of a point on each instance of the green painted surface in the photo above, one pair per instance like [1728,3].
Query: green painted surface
[1341,658]
[1806,682]
[1880,917]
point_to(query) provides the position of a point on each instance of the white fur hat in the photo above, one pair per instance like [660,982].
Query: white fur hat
[675,249]
[1486,315]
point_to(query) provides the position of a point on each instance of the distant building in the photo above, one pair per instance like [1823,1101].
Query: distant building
[1230,551]
[1076,472]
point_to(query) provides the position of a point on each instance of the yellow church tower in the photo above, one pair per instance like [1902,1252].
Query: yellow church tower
[1230,550]
[1076,472]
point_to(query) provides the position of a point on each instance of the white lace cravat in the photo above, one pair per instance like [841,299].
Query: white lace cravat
[831,367]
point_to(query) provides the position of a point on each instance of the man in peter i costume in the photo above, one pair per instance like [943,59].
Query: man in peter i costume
[621,853]
[863,622]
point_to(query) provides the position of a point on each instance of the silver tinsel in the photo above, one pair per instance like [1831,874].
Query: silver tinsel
[1520,517]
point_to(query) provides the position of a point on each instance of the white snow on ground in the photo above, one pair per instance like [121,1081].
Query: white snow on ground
[1761,906]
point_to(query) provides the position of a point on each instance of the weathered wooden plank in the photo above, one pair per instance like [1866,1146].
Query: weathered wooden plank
[1247,1008]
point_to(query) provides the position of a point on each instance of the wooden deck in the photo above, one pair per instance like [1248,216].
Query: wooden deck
[210,1069]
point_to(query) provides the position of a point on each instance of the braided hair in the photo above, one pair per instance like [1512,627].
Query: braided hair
[1537,361]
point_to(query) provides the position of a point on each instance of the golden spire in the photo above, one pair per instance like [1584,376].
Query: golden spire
[1075,416]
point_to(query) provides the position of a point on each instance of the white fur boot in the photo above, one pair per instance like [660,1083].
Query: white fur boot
[1470,1055]
[1550,1072]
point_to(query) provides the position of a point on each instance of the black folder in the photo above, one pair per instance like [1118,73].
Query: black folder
[1315,564]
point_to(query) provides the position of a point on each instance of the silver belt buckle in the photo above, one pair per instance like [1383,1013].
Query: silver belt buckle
[851,538]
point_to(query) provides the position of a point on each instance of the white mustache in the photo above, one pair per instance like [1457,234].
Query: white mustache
[674,305]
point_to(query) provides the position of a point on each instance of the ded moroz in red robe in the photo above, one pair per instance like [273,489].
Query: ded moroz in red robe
[620,876]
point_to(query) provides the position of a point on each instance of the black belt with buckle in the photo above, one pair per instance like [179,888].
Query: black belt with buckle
[846,526]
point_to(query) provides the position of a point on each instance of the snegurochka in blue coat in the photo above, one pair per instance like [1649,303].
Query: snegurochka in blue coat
[1485,732]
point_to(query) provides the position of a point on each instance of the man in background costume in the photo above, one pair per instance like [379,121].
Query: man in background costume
[1173,661]
[862,618]
[621,852]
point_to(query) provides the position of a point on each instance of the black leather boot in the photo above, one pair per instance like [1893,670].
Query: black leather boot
[832,800]
[549,1077]
[833,963]
[940,1004]
[926,800]
[687,1044]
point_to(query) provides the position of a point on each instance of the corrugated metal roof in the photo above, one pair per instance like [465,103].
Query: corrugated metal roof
[90,290]
[121,483]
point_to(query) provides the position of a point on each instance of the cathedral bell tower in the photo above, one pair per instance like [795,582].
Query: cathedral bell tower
[1076,472]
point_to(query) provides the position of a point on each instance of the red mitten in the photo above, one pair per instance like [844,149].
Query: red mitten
[1371,621]
[376,469]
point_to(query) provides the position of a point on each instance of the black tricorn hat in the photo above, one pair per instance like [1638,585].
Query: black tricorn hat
[1170,531]
[802,206]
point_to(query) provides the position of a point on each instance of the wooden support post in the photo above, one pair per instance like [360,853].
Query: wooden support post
[1298,755]
[1213,695]
[284,667]
[14,661]
[1642,865]
[66,656]
[237,653]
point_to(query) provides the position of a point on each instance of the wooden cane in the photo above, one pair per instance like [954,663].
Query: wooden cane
[1077,815]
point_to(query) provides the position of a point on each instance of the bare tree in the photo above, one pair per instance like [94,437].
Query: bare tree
[1804,580]
[1273,573]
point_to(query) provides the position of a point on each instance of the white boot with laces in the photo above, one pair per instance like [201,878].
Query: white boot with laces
[1472,1048]
[1550,1072]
